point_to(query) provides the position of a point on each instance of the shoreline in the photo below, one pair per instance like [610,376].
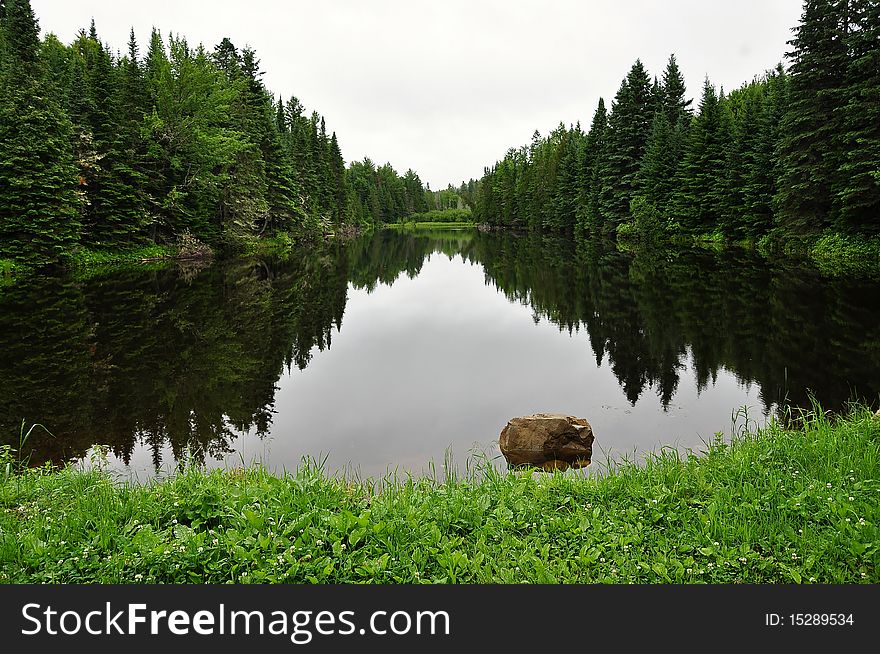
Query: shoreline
[778,505]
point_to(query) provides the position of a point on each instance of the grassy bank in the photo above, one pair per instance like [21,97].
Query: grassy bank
[429,225]
[778,506]
[86,258]
[834,253]
[441,216]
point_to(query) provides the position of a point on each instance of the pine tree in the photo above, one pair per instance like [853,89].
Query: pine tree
[340,193]
[666,143]
[674,92]
[113,209]
[761,176]
[566,190]
[629,126]
[699,196]
[38,217]
[811,148]
[281,194]
[859,191]
[589,218]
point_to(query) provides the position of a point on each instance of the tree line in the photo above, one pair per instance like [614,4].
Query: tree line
[793,152]
[102,150]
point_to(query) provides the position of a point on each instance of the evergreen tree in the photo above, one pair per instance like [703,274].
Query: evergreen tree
[762,175]
[566,191]
[665,147]
[629,126]
[38,217]
[113,207]
[859,191]
[699,197]
[811,148]
[589,218]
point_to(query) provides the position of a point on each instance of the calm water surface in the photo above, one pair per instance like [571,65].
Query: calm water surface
[394,351]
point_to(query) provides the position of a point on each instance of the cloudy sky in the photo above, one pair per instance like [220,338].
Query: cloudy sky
[446,87]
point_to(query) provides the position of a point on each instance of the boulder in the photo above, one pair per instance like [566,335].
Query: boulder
[549,441]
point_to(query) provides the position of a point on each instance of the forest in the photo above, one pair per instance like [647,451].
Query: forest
[792,154]
[104,151]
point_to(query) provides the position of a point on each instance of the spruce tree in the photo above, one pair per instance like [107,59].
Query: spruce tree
[665,147]
[589,218]
[811,147]
[38,216]
[763,172]
[629,126]
[859,191]
[699,198]
[113,209]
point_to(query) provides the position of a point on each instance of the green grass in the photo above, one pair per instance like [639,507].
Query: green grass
[840,254]
[441,216]
[428,225]
[86,258]
[795,505]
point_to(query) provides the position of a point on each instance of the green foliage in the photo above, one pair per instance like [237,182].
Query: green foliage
[38,219]
[84,257]
[443,216]
[781,505]
[380,195]
[646,219]
[842,254]
[790,153]
[117,152]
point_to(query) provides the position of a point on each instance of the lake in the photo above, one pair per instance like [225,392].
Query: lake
[397,351]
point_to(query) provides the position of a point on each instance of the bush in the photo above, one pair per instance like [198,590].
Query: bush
[189,246]
[842,254]
[445,216]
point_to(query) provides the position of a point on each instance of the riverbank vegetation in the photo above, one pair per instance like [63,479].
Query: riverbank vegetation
[459,216]
[787,161]
[102,155]
[781,504]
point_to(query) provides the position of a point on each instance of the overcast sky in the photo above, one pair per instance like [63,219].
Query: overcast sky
[446,87]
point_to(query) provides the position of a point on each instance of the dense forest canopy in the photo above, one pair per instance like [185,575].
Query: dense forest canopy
[106,150]
[792,153]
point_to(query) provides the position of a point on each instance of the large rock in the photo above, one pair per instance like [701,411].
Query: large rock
[547,440]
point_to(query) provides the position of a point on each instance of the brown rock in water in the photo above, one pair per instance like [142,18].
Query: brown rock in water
[549,441]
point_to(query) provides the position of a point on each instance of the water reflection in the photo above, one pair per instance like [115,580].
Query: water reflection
[182,363]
